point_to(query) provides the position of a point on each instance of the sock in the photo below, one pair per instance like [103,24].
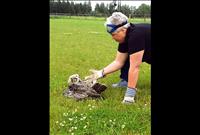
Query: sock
[130,92]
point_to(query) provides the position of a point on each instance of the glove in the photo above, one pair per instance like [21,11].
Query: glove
[96,74]
[129,95]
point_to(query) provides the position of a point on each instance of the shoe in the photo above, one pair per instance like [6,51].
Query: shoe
[122,83]
[128,100]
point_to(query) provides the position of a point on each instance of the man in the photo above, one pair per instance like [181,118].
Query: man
[134,48]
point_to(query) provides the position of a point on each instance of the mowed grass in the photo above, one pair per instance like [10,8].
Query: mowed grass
[77,45]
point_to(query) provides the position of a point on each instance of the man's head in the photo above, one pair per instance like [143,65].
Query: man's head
[117,25]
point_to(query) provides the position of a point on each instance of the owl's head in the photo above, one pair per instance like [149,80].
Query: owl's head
[74,79]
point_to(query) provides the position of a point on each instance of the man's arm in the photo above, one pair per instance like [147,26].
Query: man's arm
[116,64]
[135,61]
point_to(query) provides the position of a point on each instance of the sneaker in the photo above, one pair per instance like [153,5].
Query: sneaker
[128,100]
[122,83]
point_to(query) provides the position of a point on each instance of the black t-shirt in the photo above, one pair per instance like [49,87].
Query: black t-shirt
[138,37]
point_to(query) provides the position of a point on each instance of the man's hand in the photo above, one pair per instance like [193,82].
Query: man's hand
[96,74]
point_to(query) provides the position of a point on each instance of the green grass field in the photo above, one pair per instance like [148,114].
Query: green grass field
[77,45]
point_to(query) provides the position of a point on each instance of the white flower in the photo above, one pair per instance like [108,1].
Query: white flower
[61,124]
[110,120]
[90,109]
[72,133]
[56,122]
[70,130]
[84,117]
[85,126]
[123,126]
[93,106]
[70,119]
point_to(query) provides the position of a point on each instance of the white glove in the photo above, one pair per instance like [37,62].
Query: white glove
[96,74]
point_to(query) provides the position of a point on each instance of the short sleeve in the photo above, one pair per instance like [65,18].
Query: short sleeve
[123,48]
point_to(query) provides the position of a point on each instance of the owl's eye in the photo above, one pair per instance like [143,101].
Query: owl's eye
[75,80]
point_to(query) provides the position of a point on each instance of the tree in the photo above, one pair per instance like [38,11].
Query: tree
[51,6]
[67,7]
[78,8]
[133,9]
[111,8]
[81,11]
[125,10]
[89,7]
[84,8]
[97,8]
[102,8]
[72,6]
[143,10]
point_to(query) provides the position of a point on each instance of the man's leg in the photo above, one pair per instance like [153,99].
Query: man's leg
[124,75]
[124,70]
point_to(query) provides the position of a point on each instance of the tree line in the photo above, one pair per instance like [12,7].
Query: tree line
[101,9]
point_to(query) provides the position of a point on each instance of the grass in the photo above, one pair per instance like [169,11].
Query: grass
[77,45]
